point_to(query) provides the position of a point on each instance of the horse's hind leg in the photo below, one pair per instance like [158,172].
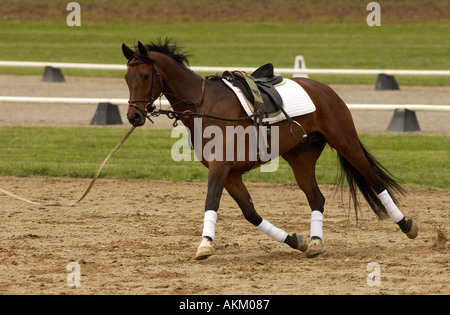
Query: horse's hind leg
[303,160]
[239,193]
[365,172]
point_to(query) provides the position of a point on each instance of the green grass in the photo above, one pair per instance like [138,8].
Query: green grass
[78,152]
[419,46]
[238,33]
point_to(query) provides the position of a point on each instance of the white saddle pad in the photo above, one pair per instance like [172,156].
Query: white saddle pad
[295,100]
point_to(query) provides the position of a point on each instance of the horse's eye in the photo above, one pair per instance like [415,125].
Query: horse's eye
[146,77]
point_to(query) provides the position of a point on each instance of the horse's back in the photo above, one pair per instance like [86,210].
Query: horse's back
[331,114]
[319,92]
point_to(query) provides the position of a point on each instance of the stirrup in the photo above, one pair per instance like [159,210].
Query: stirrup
[304,136]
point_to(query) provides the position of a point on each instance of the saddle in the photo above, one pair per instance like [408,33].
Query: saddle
[259,88]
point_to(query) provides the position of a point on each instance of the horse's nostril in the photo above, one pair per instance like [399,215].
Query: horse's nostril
[136,116]
[136,119]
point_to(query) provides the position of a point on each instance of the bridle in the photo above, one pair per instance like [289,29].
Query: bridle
[149,107]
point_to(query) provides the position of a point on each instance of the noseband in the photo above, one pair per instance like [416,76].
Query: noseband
[150,107]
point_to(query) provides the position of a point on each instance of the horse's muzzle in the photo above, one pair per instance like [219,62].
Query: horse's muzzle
[135,118]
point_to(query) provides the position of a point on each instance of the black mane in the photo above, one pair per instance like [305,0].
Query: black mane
[166,47]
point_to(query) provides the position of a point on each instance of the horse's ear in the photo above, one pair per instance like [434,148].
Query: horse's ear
[142,49]
[127,52]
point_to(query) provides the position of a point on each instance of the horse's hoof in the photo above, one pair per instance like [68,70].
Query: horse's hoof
[315,248]
[302,244]
[204,250]
[413,231]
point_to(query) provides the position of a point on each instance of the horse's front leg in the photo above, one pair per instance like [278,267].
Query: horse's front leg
[216,179]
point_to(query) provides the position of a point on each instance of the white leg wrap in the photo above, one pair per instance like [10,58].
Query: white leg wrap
[394,213]
[267,228]
[316,224]
[209,224]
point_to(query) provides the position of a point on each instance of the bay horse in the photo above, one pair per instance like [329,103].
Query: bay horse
[162,68]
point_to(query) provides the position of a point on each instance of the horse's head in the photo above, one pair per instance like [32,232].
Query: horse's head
[143,83]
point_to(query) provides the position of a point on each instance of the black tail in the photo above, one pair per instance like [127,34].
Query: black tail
[354,178]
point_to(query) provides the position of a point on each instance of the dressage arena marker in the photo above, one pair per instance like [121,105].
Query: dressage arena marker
[53,75]
[386,82]
[403,120]
[57,204]
[106,114]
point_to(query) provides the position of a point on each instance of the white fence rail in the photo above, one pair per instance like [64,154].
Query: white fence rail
[62,65]
[65,65]
[122,101]
[64,100]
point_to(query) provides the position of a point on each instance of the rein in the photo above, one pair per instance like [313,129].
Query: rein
[57,204]
[172,114]
[151,110]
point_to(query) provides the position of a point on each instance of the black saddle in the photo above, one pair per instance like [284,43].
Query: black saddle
[265,81]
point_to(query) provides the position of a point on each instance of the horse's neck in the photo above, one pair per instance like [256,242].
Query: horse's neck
[180,84]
